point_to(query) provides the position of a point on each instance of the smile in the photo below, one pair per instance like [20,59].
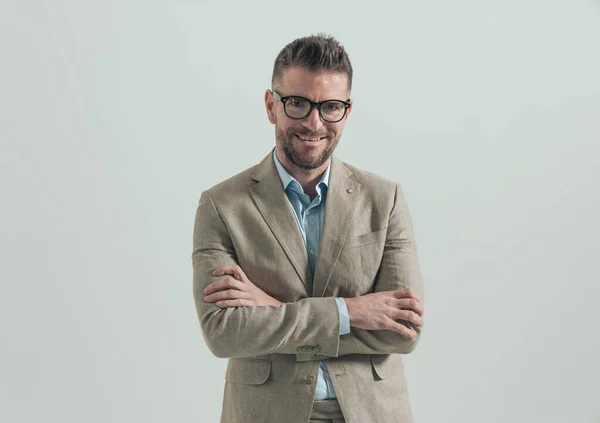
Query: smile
[309,138]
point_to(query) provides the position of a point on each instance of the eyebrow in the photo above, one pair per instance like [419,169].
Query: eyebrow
[306,98]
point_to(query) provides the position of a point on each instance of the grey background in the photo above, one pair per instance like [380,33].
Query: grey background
[115,115]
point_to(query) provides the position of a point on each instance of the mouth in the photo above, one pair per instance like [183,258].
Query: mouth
[309,139]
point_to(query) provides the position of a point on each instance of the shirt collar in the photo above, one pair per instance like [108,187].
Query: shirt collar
[287,179]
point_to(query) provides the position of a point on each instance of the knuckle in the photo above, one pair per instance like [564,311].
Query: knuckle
[402,329]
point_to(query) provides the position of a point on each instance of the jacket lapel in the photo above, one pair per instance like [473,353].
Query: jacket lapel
[342,197]
[274,206]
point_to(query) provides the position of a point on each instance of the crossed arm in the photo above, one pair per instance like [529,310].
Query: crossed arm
[238,319]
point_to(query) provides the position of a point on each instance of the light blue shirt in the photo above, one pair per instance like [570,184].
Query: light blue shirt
[309,215]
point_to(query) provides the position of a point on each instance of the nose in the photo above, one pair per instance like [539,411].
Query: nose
[313,120]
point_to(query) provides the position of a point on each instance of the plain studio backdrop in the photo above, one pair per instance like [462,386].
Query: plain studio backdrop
[116,115]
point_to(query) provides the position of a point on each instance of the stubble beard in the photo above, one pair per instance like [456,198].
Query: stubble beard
[286,142]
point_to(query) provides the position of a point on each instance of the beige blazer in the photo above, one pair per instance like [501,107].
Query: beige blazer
[367,245]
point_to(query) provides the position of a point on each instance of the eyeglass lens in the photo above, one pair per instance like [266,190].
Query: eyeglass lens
[298,108]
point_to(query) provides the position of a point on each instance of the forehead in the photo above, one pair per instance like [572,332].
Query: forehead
[315,85]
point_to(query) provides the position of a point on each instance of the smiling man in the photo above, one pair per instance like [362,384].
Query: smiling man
[305,267]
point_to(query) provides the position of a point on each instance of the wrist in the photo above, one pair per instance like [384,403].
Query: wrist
[350,307]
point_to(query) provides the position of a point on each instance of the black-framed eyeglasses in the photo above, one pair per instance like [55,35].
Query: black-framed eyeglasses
[296,107]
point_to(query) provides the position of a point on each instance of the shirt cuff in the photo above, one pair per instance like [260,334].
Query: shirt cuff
[344,318]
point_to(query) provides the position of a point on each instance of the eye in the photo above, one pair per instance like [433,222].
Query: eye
[333,106]
[296,102]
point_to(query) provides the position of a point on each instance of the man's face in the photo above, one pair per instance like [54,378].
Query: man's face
[307,143]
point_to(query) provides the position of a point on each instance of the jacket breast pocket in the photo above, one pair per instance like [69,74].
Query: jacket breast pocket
[365,239]
[359,262]
[248,371]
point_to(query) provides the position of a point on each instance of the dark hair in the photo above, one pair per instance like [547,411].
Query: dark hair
[316,52]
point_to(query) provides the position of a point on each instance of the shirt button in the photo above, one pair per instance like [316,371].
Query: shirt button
[308,212]
[312,252]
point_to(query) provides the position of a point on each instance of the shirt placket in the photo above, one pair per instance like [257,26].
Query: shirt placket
[308,218]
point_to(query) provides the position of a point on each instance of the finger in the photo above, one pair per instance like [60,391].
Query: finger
[232,269]
[216,286]
[225,269]
[224,283]
[403,330]
[410,304]
[234,303]
[228,294]
[406,293]
[409,316]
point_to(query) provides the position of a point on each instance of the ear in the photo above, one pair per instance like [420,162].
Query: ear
[270,107]
[349,109]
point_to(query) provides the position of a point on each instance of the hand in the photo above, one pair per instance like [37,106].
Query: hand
[382,310]
[236,291]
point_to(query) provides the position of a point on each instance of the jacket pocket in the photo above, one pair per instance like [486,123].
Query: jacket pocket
[248,371]
[382,365]
[365,239]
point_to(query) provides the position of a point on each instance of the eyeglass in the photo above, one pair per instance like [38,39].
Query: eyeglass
[296,107]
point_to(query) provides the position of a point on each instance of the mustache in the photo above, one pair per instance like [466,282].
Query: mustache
[307,133]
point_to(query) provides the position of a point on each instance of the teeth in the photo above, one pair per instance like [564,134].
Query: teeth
[308,139]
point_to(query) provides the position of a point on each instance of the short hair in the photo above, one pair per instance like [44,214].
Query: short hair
[319,52]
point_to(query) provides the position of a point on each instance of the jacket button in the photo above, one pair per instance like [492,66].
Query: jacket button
[350,190]
[311,380]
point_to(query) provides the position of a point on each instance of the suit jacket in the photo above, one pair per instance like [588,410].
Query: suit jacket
[367,245]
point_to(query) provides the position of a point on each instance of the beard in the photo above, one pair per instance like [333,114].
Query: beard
[286,141]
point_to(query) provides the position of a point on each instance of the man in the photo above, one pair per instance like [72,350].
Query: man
[305,268]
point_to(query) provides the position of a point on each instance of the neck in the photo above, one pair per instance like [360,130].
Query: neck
[308,178]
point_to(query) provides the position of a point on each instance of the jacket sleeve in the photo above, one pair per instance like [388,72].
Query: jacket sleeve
[399,269]
[310,325]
